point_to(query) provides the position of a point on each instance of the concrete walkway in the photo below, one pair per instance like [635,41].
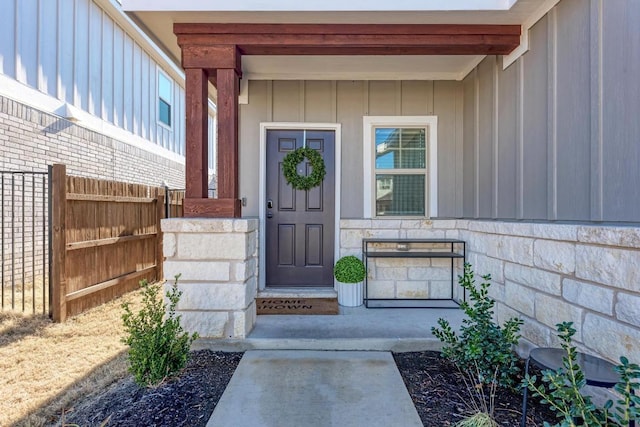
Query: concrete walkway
[272,388]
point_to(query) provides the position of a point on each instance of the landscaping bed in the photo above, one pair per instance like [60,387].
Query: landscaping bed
[436,387]
[186,401]
[441,397]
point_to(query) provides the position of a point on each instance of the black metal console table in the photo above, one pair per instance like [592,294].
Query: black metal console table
[413,248]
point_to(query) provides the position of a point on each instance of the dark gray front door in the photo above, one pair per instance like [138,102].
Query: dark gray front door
[300,224]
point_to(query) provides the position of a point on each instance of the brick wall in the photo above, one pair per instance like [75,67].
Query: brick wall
[31,139]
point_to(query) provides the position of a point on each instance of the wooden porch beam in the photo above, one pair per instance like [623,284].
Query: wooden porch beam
[212,57]
[349,39]
[440,49]
[330,29]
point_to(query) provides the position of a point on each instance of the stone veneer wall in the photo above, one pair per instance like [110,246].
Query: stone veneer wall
[403,277]
[218,263]
[544,273]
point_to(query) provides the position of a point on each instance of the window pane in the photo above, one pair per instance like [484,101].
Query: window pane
[387,145]
[412,159]
[413,138]
[164,87]
[400,148]
[164,112]
[400,195]
[388,160]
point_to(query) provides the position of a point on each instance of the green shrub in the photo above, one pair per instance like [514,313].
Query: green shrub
[349,269]
[481,343]
[560,389]
[158,346]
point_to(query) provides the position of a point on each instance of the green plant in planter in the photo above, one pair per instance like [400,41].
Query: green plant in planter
[349,269]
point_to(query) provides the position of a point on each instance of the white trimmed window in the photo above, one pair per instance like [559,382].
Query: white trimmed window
[400,165]
[165,98]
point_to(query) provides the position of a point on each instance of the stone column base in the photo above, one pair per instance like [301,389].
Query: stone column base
[217,260]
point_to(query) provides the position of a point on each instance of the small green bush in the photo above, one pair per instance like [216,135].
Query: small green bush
[158,346]
[481,343]
[560,389]
[349,269]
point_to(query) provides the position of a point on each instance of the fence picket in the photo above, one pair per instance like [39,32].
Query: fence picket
[58,242]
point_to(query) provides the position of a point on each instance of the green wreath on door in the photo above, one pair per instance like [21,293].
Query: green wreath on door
[290,166]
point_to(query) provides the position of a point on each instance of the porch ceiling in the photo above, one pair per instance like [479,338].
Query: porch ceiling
[158,18]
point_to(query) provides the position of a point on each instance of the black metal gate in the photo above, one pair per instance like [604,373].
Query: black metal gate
[24,241]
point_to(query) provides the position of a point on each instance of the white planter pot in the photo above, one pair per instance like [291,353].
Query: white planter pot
[350,294]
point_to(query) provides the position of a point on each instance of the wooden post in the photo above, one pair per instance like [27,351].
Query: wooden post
[223,62]
[228,83]
[197,121]
[159,252]
[58,242]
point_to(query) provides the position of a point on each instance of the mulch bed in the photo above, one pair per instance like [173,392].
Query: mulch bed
[440,395]
[186,401]
[436,387]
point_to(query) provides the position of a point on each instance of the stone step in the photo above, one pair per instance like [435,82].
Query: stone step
[355,328]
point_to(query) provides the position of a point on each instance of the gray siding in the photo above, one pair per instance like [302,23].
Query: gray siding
[620,104]
[555,136]
[485,143]
[469,146]
[347,102]
[448,99]
[534,124]
[351,105]
[573,102]
[506,197]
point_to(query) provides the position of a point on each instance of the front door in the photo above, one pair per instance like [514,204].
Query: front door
[299,224]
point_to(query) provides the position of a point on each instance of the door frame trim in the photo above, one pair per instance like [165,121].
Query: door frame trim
[264,127]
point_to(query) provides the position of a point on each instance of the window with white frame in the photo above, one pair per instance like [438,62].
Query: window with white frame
[165,98]
[400,166]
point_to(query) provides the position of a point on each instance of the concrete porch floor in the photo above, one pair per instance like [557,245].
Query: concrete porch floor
[358,328]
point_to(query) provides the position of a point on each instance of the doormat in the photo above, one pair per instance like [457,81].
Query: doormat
[297,305]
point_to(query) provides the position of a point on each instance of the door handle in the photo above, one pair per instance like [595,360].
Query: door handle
[269,215]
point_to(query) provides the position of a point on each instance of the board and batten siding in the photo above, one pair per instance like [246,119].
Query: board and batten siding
[556,135]
[347,102]
[76,52]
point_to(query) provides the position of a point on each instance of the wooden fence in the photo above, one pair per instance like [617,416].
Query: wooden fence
[105,238]
[173,199]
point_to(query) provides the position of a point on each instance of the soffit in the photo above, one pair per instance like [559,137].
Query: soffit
[159,25]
